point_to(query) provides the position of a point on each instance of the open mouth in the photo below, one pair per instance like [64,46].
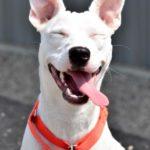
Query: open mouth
[68,85]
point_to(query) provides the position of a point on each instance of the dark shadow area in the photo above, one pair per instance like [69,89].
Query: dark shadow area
[78,5]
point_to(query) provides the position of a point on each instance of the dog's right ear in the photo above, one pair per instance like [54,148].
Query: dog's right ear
[43,10]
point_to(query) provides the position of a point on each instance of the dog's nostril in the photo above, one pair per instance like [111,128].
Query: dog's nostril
[79,56]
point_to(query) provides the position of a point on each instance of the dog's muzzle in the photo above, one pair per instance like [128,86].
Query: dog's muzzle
[67,85]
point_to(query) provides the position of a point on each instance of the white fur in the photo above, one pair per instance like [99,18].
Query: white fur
[87,29]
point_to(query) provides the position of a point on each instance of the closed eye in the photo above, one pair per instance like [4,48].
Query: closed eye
[95,35]
[61,33]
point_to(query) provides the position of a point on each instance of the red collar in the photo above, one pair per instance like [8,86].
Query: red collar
[86,143]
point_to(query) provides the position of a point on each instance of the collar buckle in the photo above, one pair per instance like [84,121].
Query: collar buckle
[72,147]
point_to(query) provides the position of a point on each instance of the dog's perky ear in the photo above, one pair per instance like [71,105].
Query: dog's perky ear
[109,11]
[43,10]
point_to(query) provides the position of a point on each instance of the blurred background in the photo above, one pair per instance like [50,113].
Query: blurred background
[127,82]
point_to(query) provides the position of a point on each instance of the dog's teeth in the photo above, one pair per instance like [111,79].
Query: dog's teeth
[70,93]
[62,77]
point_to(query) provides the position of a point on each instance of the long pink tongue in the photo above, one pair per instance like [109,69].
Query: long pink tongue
[85,83]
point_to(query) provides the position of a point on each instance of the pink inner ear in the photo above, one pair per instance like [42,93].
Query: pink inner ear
[110,10]
[44,12]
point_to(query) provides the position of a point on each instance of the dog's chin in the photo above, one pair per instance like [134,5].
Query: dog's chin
[68,86]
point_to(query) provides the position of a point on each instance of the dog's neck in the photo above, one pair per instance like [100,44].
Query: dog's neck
[68,122]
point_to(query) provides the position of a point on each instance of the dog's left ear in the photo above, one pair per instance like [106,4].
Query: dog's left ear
[109,11]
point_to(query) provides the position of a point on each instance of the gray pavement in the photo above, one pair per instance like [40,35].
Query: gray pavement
[13,116]
[19,73]
[127,88]
[129,94]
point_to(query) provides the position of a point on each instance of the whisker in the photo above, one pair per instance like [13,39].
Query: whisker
[109,75]
[124,46]
[117,72]
[33,43]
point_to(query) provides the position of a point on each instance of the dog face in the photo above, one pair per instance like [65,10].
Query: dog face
[75,42]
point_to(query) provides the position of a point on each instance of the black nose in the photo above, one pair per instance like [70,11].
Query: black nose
[79,56]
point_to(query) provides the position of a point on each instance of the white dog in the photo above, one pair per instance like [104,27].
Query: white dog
[75,52]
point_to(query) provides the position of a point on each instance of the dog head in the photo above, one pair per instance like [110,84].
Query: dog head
[74,43]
